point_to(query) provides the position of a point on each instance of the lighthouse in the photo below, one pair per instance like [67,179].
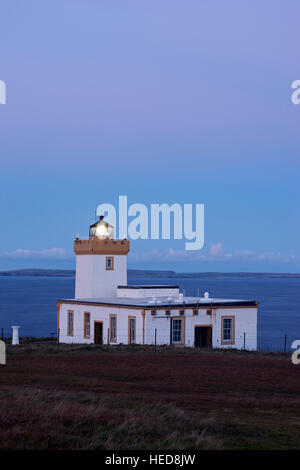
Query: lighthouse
[101,262]
[106,310]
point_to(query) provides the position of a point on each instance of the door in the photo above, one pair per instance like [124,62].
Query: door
[98,333]
[203,336]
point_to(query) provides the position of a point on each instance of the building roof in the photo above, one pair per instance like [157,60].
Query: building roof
[163,302]
[149,286]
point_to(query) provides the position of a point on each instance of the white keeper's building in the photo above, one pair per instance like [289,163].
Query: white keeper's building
[107,310]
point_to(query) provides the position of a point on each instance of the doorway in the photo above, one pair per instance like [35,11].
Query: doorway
[203,336]
[98,332]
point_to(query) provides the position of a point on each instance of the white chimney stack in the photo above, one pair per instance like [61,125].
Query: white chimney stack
[15,335]
[206,295]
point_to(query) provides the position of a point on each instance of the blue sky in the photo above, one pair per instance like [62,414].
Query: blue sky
[160,101]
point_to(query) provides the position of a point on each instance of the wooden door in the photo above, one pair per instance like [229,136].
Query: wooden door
[203,336]
[98,333]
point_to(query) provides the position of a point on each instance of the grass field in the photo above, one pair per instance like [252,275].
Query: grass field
[141,398]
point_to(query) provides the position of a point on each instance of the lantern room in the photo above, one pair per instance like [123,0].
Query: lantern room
[101,229]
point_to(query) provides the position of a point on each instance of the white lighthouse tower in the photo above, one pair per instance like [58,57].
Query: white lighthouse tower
[101,262]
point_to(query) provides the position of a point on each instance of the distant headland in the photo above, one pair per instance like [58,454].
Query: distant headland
[144,274]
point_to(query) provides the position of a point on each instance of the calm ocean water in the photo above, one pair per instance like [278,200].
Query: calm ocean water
[31,303]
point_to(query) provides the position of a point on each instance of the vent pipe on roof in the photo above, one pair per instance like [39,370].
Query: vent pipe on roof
[206,295]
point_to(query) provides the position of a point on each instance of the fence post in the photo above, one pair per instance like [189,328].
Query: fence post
[155,331]
[57,343]
[244,340]
[285,338]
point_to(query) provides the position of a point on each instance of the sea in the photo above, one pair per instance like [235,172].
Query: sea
[31,303]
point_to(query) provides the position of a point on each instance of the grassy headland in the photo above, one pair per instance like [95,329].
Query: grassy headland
[88,397]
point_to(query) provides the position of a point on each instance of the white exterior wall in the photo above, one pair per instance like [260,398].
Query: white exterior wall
[98,313]
[94,280]
[245,320]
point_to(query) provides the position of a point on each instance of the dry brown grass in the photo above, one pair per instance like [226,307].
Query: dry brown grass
[62,420]
[89,399]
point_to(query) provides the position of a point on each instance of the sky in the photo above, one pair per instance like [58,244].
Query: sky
[165,102]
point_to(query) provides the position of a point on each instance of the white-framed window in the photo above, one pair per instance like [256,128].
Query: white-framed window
[70,325]
[227,330]
[87,325]
[177,331]
[113,328]
[131,330]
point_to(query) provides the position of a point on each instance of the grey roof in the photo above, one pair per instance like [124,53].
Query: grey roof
[148,302]
[149,286]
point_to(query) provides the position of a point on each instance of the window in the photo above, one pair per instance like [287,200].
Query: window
[227,330]
[153,312]
[131,330]
[168,312]
[109,263]
[87,325]
[113,328]
[195,312]
[177,331]
[70,327]
[181,312]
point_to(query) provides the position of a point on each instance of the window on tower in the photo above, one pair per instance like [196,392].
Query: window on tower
[109,263]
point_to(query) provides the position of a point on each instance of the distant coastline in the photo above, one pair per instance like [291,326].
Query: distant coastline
[144,274]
